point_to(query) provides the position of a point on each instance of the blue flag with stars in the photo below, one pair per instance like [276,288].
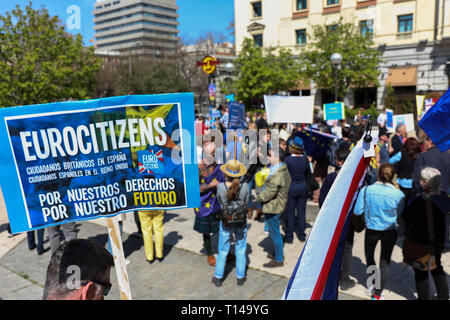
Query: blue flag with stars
[316,143]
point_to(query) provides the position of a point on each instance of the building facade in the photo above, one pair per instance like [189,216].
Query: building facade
[138,27]
[413,36]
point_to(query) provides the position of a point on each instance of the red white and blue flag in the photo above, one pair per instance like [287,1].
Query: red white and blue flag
[150,162]
[316,274]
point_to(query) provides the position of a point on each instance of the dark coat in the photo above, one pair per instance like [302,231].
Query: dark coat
[436,159]
[415,216]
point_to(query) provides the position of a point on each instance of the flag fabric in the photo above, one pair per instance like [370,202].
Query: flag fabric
[208,199]
[316,143]
[436,121]
[316,274]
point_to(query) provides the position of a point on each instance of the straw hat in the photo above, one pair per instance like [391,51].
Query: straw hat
[233,169]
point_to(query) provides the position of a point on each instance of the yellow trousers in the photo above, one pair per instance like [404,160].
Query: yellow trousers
[152,222]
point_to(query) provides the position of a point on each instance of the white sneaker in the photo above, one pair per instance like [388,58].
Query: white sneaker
[370,291]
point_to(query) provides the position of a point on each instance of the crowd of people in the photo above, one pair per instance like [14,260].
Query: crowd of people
[404,196]
[275,189]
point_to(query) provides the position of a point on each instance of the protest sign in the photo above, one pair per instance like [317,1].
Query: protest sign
[289,109]
[390,120]
[237,115]
[407,119]
[74,161]
[334,111]
[215,114]
[420,99]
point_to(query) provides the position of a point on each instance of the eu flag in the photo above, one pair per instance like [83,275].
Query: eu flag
[436,121]
[316,143]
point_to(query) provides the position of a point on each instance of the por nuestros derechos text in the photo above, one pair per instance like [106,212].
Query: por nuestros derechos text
[108,198]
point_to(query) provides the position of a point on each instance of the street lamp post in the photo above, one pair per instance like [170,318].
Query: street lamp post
[336,60]
[229,67]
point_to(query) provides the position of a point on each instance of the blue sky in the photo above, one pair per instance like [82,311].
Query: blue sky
[196,16]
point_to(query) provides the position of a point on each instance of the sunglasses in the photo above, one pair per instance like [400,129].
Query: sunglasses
[107,285]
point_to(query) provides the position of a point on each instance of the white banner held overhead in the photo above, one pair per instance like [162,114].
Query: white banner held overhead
[407,119]
[289,109]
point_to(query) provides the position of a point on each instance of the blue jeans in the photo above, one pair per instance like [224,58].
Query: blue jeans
[273,222]
[224,248]
[296,202]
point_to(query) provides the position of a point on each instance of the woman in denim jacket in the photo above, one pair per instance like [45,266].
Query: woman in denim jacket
[380,203]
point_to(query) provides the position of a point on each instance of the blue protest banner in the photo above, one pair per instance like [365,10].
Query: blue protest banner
[237,115]
[215,114]
[390,120]
[334,111]
[230,98]
[81,160]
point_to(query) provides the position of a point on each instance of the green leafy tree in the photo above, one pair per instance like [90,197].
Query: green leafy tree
[40,62]
[359,68]
[150,78]
[263,71]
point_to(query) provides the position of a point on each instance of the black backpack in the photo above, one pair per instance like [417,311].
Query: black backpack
[234,213]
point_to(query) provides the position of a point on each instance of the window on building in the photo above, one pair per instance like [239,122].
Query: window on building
[332,2]
[332,28]
[302,5]
[257,9]
[366,28]
[258,38]
[405,23]
[301,36]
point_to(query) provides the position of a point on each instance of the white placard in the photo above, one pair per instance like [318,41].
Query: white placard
[289,109]
[407,119]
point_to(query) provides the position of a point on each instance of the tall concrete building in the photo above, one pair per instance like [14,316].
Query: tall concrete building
[413,36]
[138,27]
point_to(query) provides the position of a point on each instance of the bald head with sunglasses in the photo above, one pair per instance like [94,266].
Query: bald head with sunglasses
[78,270]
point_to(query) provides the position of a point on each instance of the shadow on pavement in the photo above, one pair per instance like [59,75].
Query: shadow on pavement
[169,216]
[407,291]
[100,238]
[267,245]
[3,227]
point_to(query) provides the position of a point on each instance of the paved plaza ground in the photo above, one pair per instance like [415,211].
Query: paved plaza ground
[184,273]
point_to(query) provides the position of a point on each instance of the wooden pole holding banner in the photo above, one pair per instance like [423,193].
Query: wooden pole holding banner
[115,239]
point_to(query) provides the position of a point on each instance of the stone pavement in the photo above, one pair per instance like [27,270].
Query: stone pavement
[22,272]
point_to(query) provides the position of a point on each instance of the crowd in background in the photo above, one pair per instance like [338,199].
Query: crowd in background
[407,174]
[404,197]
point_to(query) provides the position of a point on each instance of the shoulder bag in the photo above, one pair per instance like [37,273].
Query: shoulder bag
[359,222]
[312,184]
